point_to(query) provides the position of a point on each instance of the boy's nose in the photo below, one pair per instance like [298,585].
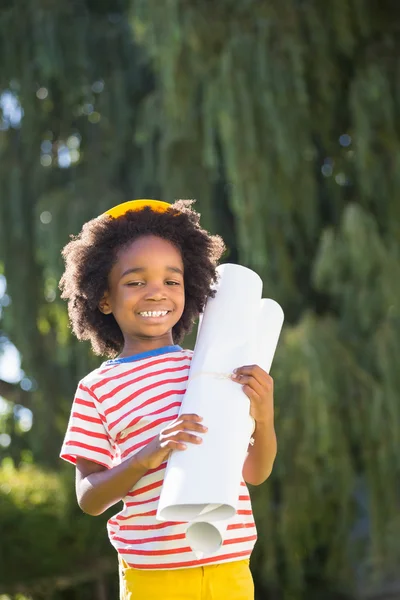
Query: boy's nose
[156,293]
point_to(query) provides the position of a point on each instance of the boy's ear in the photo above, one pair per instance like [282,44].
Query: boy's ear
[104,305]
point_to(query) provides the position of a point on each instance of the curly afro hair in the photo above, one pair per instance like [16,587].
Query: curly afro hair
[90,256]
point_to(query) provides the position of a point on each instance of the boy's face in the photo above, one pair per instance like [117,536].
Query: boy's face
[146,293]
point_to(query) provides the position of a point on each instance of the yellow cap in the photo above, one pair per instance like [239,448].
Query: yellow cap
[121,209]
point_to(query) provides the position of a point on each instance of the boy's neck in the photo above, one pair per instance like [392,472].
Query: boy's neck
[140,345]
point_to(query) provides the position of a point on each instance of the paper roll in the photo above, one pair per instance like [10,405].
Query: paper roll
[208,474]
[227,333]
[201,484]
[203,480]
[270,326]
[207,538]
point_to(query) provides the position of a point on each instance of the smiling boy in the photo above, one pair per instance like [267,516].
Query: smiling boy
[136,279]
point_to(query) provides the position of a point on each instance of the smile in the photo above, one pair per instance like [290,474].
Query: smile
[154,313]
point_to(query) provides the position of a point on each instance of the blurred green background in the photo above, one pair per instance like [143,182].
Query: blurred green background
[282,118]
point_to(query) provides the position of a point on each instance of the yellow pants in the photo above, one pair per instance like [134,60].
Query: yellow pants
[227,581]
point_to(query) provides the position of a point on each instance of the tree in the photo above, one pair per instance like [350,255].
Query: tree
[281,118]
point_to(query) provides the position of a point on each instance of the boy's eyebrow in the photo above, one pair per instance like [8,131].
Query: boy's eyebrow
[142,269]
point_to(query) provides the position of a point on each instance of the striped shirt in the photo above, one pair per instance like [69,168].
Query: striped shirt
[117,410]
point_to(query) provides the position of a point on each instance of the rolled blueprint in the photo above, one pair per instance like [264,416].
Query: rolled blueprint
[201,484]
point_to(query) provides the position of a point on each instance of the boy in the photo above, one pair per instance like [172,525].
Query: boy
[136,279]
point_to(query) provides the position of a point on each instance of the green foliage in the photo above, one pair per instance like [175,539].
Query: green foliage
[303,104]
[68,101]
[43,531]
[277,85]
[282,119]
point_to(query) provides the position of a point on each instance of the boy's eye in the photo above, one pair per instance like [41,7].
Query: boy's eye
[172,282]
[135,283]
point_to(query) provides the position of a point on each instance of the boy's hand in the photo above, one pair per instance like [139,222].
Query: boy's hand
[174,436]
[259,388]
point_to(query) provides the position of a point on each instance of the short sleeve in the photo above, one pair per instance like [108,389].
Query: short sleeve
[86,435]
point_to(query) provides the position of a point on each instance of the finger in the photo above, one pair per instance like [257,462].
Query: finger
[190,417]
[189,425]
[183,419]
[182,436]
[255,371]
[173,445]
[251,394]
[250,381]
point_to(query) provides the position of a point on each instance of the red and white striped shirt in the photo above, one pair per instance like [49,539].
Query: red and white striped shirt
[117,410]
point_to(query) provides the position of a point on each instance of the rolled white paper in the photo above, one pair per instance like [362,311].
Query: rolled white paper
[201,484]
[208,474]
[227,333]
[207,538]
[269,330]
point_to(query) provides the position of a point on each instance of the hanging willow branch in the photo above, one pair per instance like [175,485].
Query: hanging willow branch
[303,102]
[282,119]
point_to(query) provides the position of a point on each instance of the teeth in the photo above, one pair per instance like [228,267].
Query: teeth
[154,313]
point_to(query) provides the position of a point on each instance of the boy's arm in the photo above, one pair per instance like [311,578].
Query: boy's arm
[261,455]
[98,488]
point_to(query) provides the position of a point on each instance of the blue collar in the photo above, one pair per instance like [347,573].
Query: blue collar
[141,355]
